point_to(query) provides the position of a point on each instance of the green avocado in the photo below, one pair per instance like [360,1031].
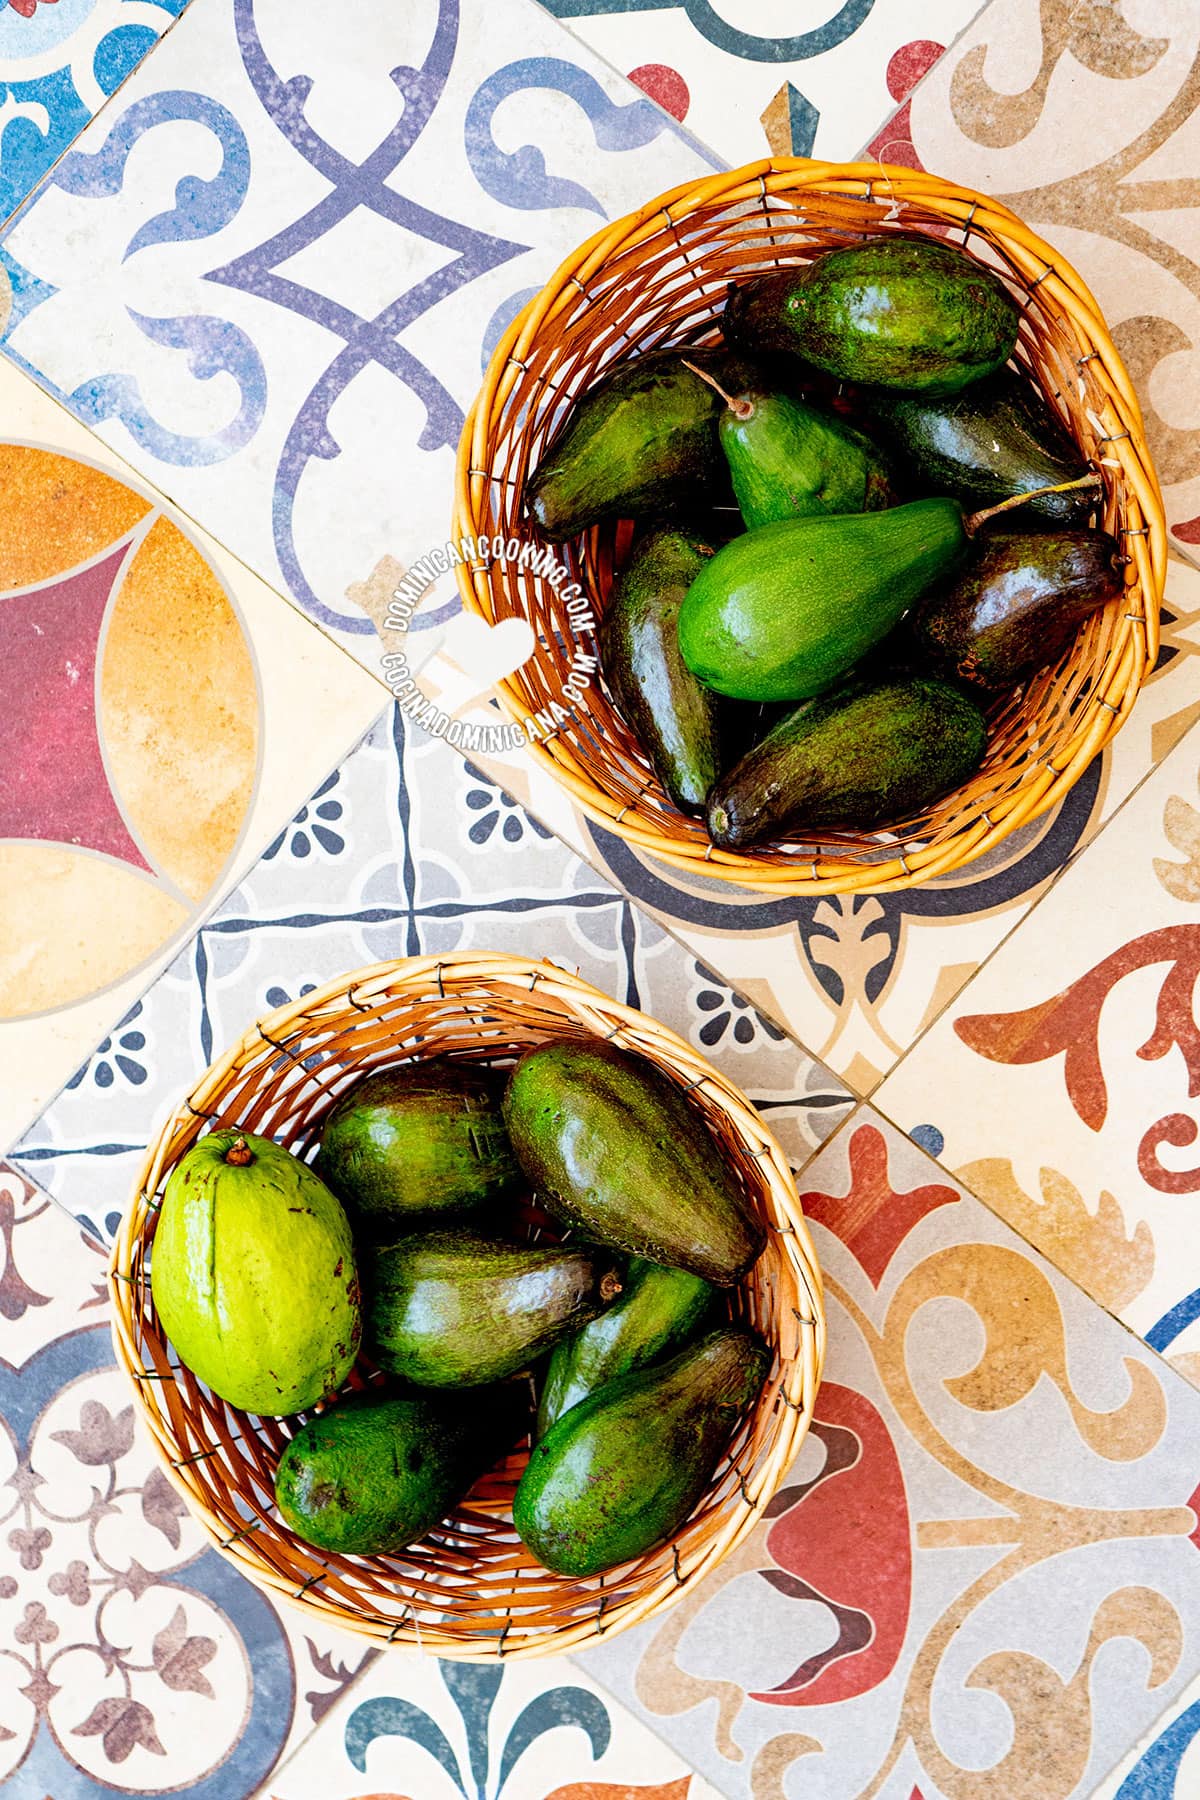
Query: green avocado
[901,312]
[787,460]
[657,1311]
[253,1275]
[784,611]
[614,1150]
[1017,604]
[623,1470]
[374,1474]
[641,442]
[679,723]
[867,754]
[995,439]
[453,1309]
[422,1137]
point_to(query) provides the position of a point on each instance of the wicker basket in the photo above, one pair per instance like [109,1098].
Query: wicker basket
[659,276]
[470,1590]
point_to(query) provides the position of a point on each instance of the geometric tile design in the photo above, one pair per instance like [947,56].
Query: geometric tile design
[980,1578]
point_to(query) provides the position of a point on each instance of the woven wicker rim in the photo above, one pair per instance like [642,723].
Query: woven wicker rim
[470,1590]
[658,276]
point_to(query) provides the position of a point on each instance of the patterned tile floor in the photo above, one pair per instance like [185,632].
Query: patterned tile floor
[265,276]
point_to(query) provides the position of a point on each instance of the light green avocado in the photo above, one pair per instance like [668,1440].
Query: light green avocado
[253,1275]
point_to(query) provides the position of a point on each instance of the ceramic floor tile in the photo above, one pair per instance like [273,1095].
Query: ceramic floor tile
[1062,1083]
[59,62]
[271,272]
[1084,120]
[858,979]
[428,854]
[979,1580]
[162,713]
[1165,1763]
[433,1730]
[766,76]
[136,1661]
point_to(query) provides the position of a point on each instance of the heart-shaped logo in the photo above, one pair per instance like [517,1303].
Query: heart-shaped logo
[487,652]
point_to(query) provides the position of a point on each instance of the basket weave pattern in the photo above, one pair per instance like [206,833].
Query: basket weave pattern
[471,1590]
[659,276]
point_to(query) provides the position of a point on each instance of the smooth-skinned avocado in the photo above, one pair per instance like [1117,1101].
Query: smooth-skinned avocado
[613,1149]
[788,460]
[681,724]
[657,1311]
[454,1309]
[902,312]
[376,1472]
[784,611]
[253,1275]
[624,1468]
[420,1138]
[1017,604]
[870,753]
[640,443]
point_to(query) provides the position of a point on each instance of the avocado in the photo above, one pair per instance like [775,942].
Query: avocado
[614,1150]
[1017,603]
[623,1470]
[376,1472]
[995,439]
[901,312]
[453,1309]
[642,441]
[678,722]
[253,1276]
[422,1137]
[783,611]
[658,1310]
[787,460]
[867,754]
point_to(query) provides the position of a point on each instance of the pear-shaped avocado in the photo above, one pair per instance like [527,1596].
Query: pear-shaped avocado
[614,1150]
[624,1468]
[657,1311]
[375,1473]
[422,1137]
[253,1275]
[453,1309]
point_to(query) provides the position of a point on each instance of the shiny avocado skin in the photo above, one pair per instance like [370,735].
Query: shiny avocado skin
[614,1150]
[454,1309]
[374,1474]
[679,723]
[640,442]
[657,1311]
[865,755]
[788,460]
[896,312]
[423,1137]
[623,1470]
[783,612]
[1017,603]
[995,439]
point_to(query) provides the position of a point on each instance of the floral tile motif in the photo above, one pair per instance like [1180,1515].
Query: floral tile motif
[246,280]
[137,1661]
[424,853]
[859,978]
[161,712]
[979,1580]
[758,77]
[414,1728]
[1165,1763]
[59,62]
[1083,1028]
[1083,119]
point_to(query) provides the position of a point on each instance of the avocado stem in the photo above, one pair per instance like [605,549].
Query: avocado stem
[239,1153]
[740,406]
[972,521]
[610,1285]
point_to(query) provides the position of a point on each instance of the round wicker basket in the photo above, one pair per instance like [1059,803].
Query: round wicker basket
[470,1590]
[659,276]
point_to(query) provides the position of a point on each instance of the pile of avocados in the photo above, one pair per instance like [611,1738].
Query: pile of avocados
[857,525]
[571,1218]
